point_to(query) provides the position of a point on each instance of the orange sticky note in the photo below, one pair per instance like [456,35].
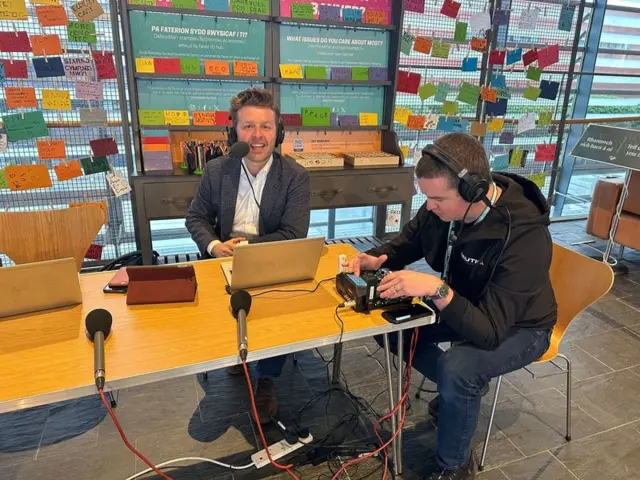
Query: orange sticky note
[52,16]
[68,170]
[51,149]
[20,97]
[489,94]
[27,177]
[245,69]
[416,122]
[479,44]
[42,45]
[478,129]
[216,67]
[204,118]
[374,16]
[422,45]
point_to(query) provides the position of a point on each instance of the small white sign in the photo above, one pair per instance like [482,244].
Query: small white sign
[118,183]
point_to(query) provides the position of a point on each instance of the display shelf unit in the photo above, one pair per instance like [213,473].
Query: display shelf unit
[202,76]
[332,23]
[323,81]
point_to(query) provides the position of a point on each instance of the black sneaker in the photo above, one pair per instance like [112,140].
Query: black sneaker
[465,472]
[435,402]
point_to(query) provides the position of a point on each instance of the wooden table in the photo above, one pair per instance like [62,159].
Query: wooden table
[46,357]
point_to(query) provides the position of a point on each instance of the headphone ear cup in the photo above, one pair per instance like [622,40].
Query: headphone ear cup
[232,136]
[280,132]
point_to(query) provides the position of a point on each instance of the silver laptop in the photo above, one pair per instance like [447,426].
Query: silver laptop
[272,263]
[32,287]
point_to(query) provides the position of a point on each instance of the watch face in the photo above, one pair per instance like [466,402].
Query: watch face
[442,291]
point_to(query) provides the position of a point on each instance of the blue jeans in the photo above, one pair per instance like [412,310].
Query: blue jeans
[271,367]
[461,372]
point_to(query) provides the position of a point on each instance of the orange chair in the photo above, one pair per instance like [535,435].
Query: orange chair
[578,281]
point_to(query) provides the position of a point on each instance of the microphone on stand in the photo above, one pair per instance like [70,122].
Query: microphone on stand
[239,150]
[98,325]
[240,306]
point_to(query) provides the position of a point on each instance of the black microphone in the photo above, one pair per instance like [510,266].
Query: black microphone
[239,150]
[98,325]
[240,306]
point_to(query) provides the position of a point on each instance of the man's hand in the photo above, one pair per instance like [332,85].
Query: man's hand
[407,283]
[225,249]
[365,262]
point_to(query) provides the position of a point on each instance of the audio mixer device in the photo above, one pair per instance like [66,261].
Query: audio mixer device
[363,290]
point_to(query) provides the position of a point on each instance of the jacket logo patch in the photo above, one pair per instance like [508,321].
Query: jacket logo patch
[471,261]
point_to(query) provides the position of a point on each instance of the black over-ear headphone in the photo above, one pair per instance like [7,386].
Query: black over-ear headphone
[472,187]
[232,134]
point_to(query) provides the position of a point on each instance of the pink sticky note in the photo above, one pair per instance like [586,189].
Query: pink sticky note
[105,68]
[14,42]
[548,56]
[497,57]
[408,82]
[530,57]
[450,8]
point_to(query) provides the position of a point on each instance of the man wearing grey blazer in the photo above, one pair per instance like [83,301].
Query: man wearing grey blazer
[263,198]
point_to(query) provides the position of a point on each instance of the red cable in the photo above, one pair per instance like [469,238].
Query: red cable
[124,438]
[287,468]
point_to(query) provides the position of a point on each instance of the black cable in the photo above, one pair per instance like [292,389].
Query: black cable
[294,290]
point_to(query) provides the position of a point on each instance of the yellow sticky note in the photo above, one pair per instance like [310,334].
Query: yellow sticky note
[176,117]
[538,178]
[144,65]
[496,125]
[368,119]
[55,99]
[13,10]
[405,152]
[45,2]
[401,115]
[290,70]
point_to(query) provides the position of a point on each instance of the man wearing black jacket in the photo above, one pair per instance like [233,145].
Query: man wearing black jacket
[495,299]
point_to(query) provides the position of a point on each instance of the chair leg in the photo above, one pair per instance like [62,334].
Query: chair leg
[493,412]
[424,379]
[566,359]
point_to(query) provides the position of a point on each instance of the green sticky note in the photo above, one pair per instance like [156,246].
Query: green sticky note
[407,43]
[316,116]
[545,117]
[3,180]
[24,126]
[450,108]
[469,94]
[440,50]
[151,117]
[534,73]
[149,3]
[185,4]
[531,93]
[516,158]
[302,10]
[255,7]
[315,72]
[443,90]
[360,73]
[94,165]
[427,90]
[538,179]
[190,65]
[81,32]
[460,34]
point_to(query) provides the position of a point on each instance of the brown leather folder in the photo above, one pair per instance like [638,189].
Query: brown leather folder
[161,284]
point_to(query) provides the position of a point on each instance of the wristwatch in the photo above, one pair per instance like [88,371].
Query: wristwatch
[441,292]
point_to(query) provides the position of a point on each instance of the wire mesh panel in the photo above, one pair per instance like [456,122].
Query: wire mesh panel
[49,66]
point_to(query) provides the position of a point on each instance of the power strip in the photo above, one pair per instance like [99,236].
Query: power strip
[278,450]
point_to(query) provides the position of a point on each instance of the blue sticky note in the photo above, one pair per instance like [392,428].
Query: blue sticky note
[497,109]
[506,138]
[469,64]
[549,89]
[500,17]
[565,21]
[514,56]
[327,12]
[445,124]
[498,81]
[378,74]
[352,15]
[1,72]
[500,162]
[460,125]
[220,5]
[348,120]
[48,67]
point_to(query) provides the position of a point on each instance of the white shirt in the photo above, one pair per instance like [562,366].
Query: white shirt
[246,220]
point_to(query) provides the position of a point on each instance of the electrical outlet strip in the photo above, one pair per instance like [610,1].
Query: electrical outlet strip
[277,451]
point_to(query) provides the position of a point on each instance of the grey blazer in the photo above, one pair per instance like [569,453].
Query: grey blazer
[284,207]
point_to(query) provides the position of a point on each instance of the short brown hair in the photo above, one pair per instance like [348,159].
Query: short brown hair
[464,148]
[253,97]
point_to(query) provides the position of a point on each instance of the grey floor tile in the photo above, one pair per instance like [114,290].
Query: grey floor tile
[20,434]
[624,287]
[493,474]
[611,399]
[419,449]
[360,369]
[542,466]
[633,301]
[616,312]
[500,450]
[587,323]
[614,454]
[583,365]
[617,349]
[525,383]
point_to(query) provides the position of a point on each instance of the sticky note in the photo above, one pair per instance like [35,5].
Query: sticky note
[531,93]
[406,43]
[144,65]
[193,4]
[302,10]
[17,41]
[291,70]
[480,22]
[506,138]
[368,119]
[498,80]
[529,18]
[529,57]
[151,117]
[27,177]
[489,94]
[67,170]
[431,121]
[445,124]
[104,146]
[255,7]
[374,16]
[3,180]
[360,73]
[500,17]
[13,10]
[219,5]
[340,73]
[217,67]
[176,117]
[450,8]
[460,33]
[93,117]
[45,2]
[166,65]
[497,109]
[119,186]
[427,90]
[329,12]
[378,74]
[545,152]
[401,115]
[422,45]
[504,92]
[94,165]
[408,82]
[479,44]
[415,122]
[81,32]
[347,120]
[404,149]
[549,89]
[500,163]
[316,116]
[469,64]
[469,93]
[291,119]
[48,67]
[538,178]
[56,99]
[440,50]
[514,56]
[449,107]
[478,129]
[223,118]
[51,149]
[152,3]
[87,10]
[78,67]
[545,117]
[24,126]
[495,125]
[243,68]
[414,6]
[52,16]
[517,157]
[190,66]
[548,56]
[534,73]
[526,122]
[352,15]
[105,68]
[496,57]
[2,75]
[565,21]
[21,97]
[443,91]
[42,45]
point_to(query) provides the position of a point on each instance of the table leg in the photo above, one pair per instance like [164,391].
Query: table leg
[392,403]
[399,397]
[337,363]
